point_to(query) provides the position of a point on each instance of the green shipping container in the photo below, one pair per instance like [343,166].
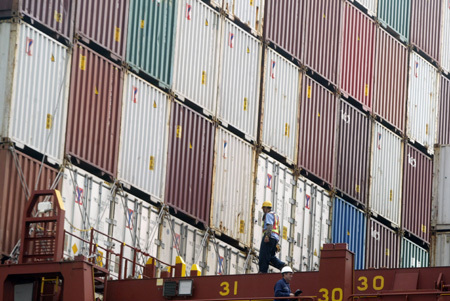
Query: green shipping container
[413,256]
[396,15]
[151,38]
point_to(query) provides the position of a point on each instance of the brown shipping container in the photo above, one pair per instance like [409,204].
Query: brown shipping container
[105,22]
[56,15]
[444,112]
[12,193]
[321,37]
[316,148]
[353,149]
[426,26]
[284,25]
[382,249]
[391,74]
[190,163]
[94,110]
[417,185]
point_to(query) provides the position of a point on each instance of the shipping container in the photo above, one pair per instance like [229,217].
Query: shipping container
[390,79]
[412,255]
[422,105]
[322,35]
[440,249]
[370,5]
[104,23]
[445,40]
[34,88]
[224,259]
[353,145]
[190,163]
[20,175]
[196,54]
[250,13]
[386,174]
[416,199]
[151,37]
[426,19]
[144,136]
[382,249]
[396,15]
[318,130]
[56,15]
[238,97]
[441,188]
[349,226]
[281,105]
[93,123]
[357,57]
[233,186]
[283,25]
[444,112]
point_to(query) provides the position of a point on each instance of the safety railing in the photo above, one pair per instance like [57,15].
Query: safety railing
[380,295]
[306,298]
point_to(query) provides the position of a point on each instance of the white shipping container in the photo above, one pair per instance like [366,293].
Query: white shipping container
[224,259]
[370,5]
[281,99]
[34,85]
[445,41]
[250,12]
[423,97]
[440,213]
[238,99]
[232,191]
[386,174]
[196,54]
[144,136]
[440,249]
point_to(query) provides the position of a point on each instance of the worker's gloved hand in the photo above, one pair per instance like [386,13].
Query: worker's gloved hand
[278,248]
[298,292]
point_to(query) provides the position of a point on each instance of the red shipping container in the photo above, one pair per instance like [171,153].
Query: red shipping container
[190,163]
[12,193]
[353,149]
[444,112]
[316,143]
[390,79]
[383,246]
[417,186]
[93,126]
[358,41]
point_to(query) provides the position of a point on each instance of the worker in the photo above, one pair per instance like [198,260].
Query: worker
[269,242]
[282,287]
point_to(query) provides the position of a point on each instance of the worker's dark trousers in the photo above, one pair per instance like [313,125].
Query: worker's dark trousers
[267,255]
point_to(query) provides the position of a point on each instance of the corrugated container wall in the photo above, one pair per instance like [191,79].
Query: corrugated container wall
[318,127]
[281,104]
[105,23]
[441,188]
[233,187]
[422,106]
[283,25]
[440,249]
[196,54]
[390,79]
[353,144]
[386,173]
[144,135]
[426,19]
[322,33]
[56,15]
[444,112]
[357,57]
[151,37]
[34,88]
[190,163]
[349,226]
[445,42]
[417,186]
[370,5]
[250,13]
[224,259]
[94,110]
[382,249]
[238,97]
[396,15]
[413,256]
[13,196]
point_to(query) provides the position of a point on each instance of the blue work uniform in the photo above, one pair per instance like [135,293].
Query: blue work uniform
[267,250]
[282,289]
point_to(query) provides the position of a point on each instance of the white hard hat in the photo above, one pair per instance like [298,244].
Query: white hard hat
[286,269]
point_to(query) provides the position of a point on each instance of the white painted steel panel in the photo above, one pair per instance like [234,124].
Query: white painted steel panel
[144,136]
[386,174]
[196,49]
[445,41]
[440,213]
[370,5]
[232,191]
[224,259]
[249,12]
[281,99]
[34,93]
[440,249]
[423,97]
[238,97]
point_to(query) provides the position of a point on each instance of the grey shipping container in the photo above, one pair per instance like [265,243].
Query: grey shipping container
[396,15]
[444,112]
